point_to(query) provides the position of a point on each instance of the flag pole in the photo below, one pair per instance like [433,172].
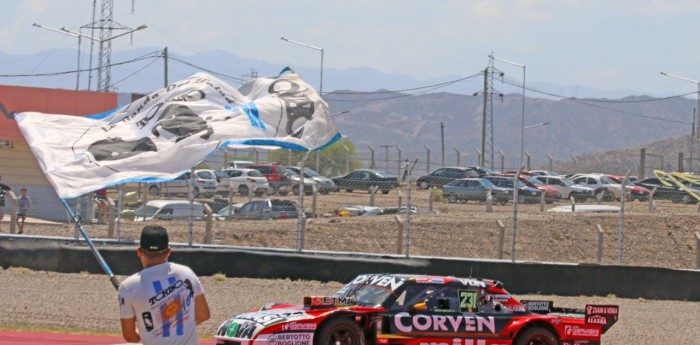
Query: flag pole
[100,259]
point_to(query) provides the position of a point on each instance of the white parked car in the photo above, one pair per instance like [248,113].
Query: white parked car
[600,183]
[169,210]
[204,184]
[567,187]
[242,181]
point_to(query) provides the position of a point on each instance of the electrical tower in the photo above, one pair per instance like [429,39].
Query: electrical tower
[106,25]
[487,153]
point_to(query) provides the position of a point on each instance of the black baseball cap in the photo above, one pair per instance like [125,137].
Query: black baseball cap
[154,238]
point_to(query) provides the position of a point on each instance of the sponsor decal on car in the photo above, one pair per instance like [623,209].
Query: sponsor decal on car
[326,300]
[235,329]
[458,341]
[581,331]
[288,338]
[297,326]
[472,282]
[385,281]
[604,315]
[269,317]
[537,306]
[407,323]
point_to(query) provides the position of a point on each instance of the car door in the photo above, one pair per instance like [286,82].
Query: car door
[443,313]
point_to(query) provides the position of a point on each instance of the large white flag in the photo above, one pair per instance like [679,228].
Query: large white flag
[158,137]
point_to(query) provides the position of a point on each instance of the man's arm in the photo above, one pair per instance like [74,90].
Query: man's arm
[201,309]
[129,331]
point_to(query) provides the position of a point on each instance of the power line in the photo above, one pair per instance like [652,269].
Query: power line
[236,79]
[51,74]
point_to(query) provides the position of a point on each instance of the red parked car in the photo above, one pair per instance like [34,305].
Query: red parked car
[637,192]
[551,193]
[404,309]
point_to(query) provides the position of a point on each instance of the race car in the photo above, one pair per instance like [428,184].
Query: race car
[392,309]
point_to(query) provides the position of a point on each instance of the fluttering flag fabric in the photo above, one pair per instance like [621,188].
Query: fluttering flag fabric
[160,136]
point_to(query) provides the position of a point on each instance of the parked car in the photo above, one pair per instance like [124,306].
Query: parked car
[393,309]
[238,164]
[223,213]
[443,176]
[567,188]
[466,189]
[526,194]
[636,192]
[169,210]
[551,194]
[364,179]
[204,184]
[276,175]
[325,184]
[242,181]
[294,179]
[600,183]
[267,209]
[543,173]
[664,192]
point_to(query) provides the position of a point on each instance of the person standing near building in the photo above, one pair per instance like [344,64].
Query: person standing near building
[3,192]
[164,302]
[23,206]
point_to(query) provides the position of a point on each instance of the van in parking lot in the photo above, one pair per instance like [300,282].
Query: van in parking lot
[169,209]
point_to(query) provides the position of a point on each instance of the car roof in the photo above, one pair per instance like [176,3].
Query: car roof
[162,203]
[441,280]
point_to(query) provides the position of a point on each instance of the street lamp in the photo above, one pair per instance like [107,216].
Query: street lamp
[697,108]
[79,35]
[522,149]
[320,88]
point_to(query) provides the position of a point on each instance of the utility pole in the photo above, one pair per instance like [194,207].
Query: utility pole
[165,67]
[483,116]
[442,141]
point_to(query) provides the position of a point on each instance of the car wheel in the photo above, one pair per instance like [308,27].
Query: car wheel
[243,190]
[154,190]
[424,185]
[608,195]
[195,192]
[348,190]
[340,331]
[295,190]
[385,191]
[536,336]
[283,192]
[451,198]
[687,199]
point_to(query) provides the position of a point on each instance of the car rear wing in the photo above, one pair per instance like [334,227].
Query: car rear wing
[604,315]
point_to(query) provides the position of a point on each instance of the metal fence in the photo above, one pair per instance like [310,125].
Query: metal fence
[657,233]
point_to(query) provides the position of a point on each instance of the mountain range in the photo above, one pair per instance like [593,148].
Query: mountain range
[380,109]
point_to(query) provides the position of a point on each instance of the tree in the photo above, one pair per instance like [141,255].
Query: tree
[334,160]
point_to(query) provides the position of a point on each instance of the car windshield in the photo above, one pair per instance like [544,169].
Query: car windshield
[147,211]
[607,180]
[311,172]
[385,174]
[367,295]
[486,183]
[534,181]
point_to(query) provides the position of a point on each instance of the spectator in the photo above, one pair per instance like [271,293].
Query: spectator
[23,206]
[3,191]
[101,200]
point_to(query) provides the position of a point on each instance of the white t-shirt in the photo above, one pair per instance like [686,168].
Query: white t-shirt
[161,298]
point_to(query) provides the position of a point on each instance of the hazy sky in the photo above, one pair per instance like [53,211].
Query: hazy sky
[605,44]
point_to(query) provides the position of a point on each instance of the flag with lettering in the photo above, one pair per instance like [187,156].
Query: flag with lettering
[161,135]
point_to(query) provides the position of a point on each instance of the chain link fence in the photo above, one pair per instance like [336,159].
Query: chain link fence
[657,233]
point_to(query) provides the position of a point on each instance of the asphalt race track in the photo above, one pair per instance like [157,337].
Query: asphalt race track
[36,338]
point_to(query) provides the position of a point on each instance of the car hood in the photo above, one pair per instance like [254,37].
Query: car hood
[249,325]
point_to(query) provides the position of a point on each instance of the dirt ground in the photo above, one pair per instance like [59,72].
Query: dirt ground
[88,303]
[665,237]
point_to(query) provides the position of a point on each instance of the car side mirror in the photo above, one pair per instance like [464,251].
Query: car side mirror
[420,306]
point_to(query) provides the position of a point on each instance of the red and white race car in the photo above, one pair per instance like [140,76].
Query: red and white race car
[392,309]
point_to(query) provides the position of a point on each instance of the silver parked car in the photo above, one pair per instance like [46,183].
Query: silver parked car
[324,184]
[567,187]
[203,184]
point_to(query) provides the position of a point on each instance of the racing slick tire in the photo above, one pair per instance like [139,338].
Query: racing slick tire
[340,331]
[536,336]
